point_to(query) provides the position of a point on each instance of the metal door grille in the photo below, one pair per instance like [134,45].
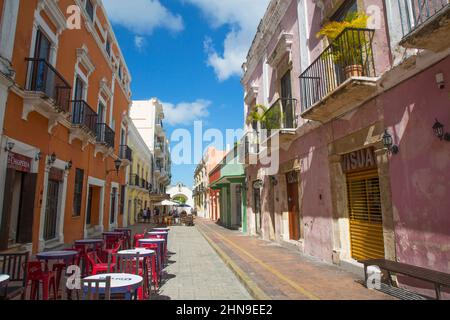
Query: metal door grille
[365,215]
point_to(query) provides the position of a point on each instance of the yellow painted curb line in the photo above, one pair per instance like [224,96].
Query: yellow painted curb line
[270,269]
[251,286]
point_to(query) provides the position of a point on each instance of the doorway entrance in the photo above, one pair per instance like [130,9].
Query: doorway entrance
[365,215]
[293,206]
[257,209]
[18,204]
[55,179]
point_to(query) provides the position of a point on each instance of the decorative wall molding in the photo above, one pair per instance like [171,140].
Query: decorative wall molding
[54,13]
[266,29]
[84,58]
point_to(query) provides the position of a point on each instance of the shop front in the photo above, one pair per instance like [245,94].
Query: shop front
[363,226]
[18,201]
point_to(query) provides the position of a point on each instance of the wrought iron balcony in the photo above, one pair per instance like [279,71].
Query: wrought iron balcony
[135,180]
[348,62]
[105,135]
[44,78]
[125,153]
[281,115]
[425,24]
[84,116]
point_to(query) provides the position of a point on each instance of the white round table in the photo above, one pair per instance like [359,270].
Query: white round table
[142,252]
[4,279]
[120,282]
[161,229]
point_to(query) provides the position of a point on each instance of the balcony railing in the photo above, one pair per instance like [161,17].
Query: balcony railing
[126,153]
[83,115]
[105,135]
[416,12]
[349,55]
[251,140]
[135,180]
[46,79]
[281,115]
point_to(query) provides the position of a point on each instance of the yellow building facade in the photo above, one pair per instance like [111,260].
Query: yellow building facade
[139,177]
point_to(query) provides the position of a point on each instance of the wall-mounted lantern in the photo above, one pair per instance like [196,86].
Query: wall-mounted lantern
[38,156]
[52,159]
[9,146]
[273,180]
[438,129]
[258,184]
[388,143]
[69,165]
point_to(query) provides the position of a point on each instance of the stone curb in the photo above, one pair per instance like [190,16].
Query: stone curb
[248,283]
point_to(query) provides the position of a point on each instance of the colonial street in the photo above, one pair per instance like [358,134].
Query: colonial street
[209,262]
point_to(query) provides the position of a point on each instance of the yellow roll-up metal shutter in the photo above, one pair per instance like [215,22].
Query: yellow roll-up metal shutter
[365,216]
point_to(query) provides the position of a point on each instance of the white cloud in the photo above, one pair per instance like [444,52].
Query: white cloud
[139,42]
[185,112]
[142,16]
[242,16]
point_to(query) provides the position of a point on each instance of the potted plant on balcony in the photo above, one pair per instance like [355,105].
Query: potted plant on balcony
[350,51]
[268,118]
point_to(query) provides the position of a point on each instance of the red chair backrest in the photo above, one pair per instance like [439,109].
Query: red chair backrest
[152,246]
[156,236]
[33,270]
[137,237]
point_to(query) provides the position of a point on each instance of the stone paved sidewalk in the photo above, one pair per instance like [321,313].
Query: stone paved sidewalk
[195,271]
[271,271]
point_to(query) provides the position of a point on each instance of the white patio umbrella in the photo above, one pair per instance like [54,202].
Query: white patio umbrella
[167,203]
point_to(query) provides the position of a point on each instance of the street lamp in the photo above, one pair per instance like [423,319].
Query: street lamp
[389,143]
[52,159]
[69,165]
[438,129]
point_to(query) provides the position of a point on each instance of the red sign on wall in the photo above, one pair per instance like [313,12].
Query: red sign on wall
[19,162]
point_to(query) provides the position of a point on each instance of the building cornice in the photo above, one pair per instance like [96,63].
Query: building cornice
[266,29]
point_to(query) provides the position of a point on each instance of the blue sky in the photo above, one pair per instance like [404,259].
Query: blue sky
[188,54]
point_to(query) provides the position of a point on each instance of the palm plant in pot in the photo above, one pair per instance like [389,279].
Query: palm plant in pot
[268,118]
[350,49]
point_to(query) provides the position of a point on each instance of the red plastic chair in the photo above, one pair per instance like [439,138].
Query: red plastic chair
[111,252]
[160,236]
[155,270]
[36,275]
[58,267]
[138,237]
[96,266]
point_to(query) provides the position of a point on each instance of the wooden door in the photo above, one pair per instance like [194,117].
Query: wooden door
[26,213]
[51,211]
[7,204]
[257,209]
[293,208]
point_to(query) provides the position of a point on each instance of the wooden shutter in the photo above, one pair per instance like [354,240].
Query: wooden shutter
[7,203]
[78,192]
[365,216]
[26,215]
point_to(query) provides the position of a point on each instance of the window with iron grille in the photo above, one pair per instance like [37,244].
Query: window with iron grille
[78,192]
[90,9]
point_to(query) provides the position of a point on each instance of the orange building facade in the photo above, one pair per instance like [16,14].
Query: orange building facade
[64,99]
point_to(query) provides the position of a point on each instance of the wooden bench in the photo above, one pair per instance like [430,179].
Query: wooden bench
[437,278]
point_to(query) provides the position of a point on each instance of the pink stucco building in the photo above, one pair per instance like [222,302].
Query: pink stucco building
[341,192]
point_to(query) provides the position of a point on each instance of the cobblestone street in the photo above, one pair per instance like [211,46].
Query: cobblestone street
[195,271]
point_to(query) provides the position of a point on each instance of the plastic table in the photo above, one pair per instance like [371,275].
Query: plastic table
[121,283]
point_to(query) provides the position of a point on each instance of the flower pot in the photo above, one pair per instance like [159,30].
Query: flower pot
[354,70]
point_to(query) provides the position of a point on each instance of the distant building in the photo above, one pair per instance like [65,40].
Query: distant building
[147,116]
